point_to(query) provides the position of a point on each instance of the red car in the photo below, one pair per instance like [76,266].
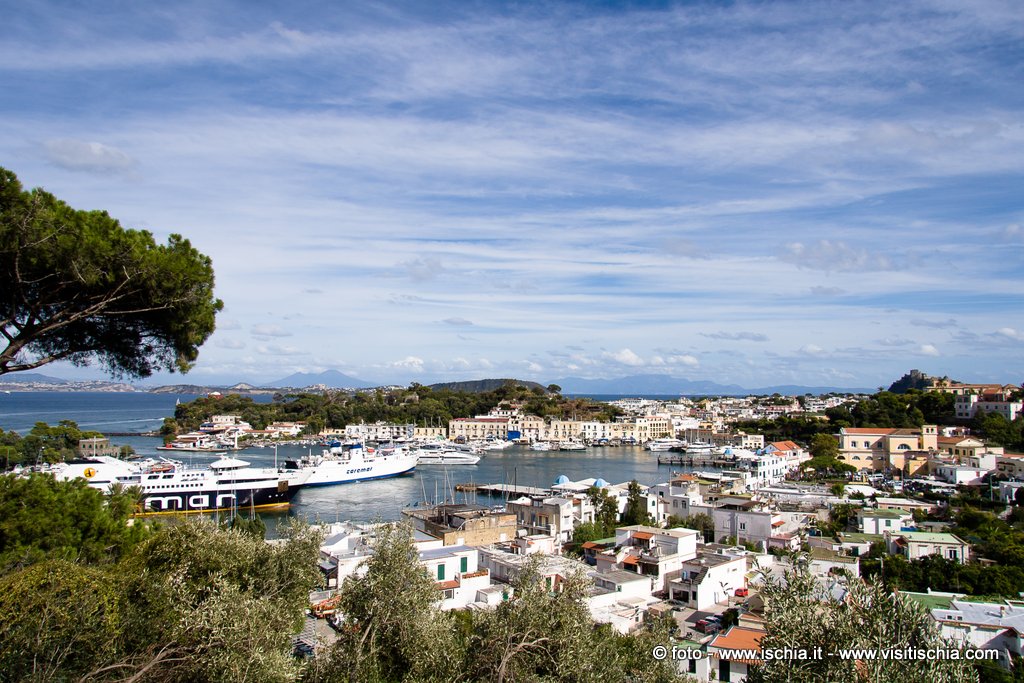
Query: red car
[742,592]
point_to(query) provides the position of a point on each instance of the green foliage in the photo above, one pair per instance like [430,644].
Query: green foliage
[824,446]
[221,603]
[80,287]
[827,466]
[995,428]
[393,629]
[636,507]
[43,518]
[59,621]
[701,522]
[799,613]
[418,405]
[192,603]
[548,635]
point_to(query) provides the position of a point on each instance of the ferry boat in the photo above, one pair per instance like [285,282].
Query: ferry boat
[346,463]
[168,486]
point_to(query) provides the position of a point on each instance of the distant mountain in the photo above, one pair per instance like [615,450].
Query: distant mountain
[645,384]
[29,377]
[330,378]
[665,385]
[479,386]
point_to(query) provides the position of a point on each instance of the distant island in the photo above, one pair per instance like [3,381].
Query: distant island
[639,385]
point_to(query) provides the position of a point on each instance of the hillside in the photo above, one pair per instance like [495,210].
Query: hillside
[480,386]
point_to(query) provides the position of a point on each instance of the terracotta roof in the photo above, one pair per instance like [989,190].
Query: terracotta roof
[643,535]
[446,585]
[630,559]
[785,445]
[739,638]
[778,523]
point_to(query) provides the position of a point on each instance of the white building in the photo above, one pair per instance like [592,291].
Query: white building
[917,544]
[983,625]
[456,574]
[873,521]
[380,431]
[654,552]
[708,579]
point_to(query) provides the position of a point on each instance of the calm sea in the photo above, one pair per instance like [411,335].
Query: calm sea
[361,501]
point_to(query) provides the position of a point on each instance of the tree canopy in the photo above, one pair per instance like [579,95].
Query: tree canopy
[79,287]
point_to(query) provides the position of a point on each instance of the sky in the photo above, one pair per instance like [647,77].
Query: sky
[818,193]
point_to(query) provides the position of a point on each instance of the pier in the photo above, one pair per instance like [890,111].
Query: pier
[700,460]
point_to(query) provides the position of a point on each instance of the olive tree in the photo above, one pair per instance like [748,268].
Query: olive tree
[802,613]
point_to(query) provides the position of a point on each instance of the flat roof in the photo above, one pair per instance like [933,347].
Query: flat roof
[931,537]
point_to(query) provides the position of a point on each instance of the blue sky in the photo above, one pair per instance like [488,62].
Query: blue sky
[754,193]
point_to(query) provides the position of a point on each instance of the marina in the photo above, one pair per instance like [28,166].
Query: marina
[514,465]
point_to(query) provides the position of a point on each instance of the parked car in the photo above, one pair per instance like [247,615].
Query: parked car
[708,626]
[742,592]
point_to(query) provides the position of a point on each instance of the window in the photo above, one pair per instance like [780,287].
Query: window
[723,670]
[440,572]
[463,564]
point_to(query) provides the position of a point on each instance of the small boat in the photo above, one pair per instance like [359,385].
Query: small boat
[571,445]
[540,446]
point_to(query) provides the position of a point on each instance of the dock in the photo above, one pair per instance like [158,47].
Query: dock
[701,460]
[503,490]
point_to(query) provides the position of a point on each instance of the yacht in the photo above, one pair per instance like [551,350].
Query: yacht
[540,446]
[664,444]
[571,445]
[444,454]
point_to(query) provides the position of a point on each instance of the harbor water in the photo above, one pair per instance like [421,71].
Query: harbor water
[360,501]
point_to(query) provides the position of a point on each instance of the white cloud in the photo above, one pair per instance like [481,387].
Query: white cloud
[895,341]
[422,269]
[1011,333]
[626,357]
[736,336]
[686,359]
[76,155]
[458,322]
[408,363]
[264,330]
[230,344]
[835,256]
[929,350]
[276,350]
[812,350]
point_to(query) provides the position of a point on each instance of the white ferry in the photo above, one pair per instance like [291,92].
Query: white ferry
[168,486]
[345,463]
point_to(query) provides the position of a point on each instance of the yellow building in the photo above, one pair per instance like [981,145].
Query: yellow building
[873,448]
